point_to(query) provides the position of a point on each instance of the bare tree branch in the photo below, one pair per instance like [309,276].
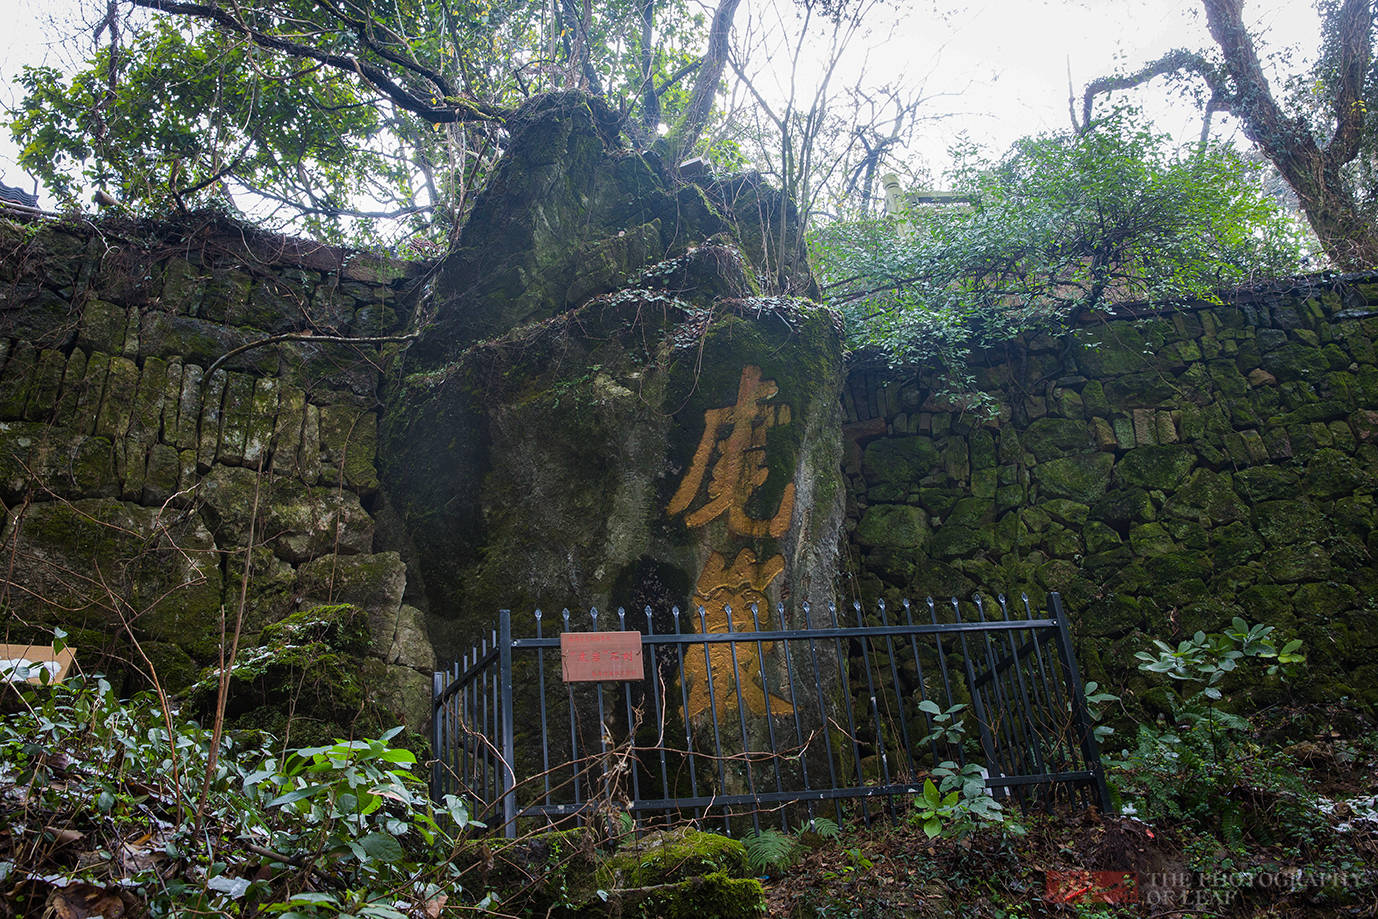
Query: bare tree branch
[304,336]
[1178,60]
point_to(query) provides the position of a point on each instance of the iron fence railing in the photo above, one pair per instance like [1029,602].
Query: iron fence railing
[833,715]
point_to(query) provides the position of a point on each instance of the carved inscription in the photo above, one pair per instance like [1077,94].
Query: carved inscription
[731,458]
[732,453]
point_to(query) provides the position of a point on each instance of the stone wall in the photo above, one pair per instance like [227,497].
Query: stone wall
[1163,472]
[135,485]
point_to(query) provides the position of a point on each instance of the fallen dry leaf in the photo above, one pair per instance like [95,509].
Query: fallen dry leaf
[86,901]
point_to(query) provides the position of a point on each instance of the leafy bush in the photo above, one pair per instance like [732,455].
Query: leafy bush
[1061,224]
[101,793]
[960,804]
[1185,769]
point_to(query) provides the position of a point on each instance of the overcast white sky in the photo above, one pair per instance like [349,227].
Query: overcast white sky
[1004,62]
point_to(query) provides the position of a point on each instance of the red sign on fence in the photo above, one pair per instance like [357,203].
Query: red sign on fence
[592,657]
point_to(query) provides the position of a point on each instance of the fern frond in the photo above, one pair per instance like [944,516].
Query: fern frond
[823,827]
[769,850]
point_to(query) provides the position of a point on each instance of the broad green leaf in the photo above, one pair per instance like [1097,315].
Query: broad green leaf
[382,847]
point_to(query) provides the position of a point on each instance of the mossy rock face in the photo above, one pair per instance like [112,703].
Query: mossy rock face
[307,681]
[96,563]
[593,319]
[675,855]
[586,426]
[567,214]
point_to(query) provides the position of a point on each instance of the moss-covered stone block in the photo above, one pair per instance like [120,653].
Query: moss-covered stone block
[899,460]
[162,474]
[342,626]
[1331,473]
[896,525]
[1294,361]
[1051,438]
[47,383]
[1078,478]
[92,472]
[1071,513]
[1101,354]
[1162,467]
[1235,544]
[1270,604]
[1286,522]
[1151,539]
[1264,483]
[1140,390]
[1306,561]
[1119,507]
[349,445]
[1177,567]
[1321,599]
[675,855]
[262,418]
[1062,542]
[1206,495]
[103,327]
[1099,537]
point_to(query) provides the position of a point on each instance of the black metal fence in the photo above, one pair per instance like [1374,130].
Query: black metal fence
[783,724]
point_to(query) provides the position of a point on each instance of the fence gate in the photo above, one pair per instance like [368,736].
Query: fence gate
[846,713]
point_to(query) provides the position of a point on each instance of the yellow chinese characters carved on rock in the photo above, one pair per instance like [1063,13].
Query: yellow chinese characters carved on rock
[738,586]
[734,445]
[732,457]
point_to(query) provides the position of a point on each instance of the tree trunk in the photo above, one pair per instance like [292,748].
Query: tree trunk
[1312,170]
[685,133]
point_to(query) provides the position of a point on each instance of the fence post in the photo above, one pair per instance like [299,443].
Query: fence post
[508,776]
[1090,750]
[438,751]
